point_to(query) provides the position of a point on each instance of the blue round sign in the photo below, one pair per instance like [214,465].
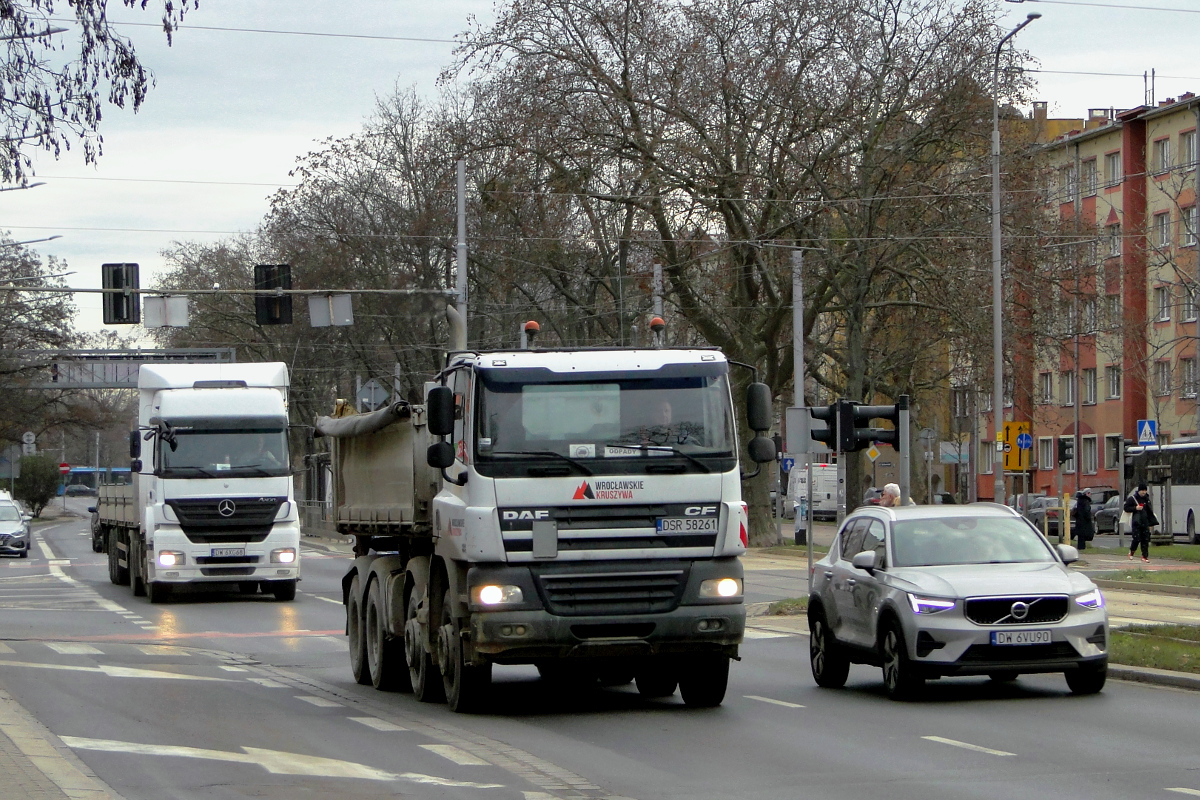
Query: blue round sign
[1024,441]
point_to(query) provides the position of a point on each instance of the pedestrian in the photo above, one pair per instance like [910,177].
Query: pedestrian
[891,497]
[1142,519]
[1085,527]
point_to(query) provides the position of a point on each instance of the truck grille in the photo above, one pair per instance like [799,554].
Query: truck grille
[579,593]
[250,520]
[999,610]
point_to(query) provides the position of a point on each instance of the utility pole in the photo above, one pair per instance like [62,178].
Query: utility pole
[804,460]
[461,257]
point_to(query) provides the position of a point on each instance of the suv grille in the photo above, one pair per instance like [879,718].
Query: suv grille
[989,653]
[999,610]
[634,592]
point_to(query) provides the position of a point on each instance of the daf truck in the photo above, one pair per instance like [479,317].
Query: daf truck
[211,498]
[579,510]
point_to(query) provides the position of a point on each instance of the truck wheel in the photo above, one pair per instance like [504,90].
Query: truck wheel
[656,679]
[158,592]
[703,682]
[284,591]
[137,570]
[422,674]
[117,574]
[354,631]
[383,654]
[466,685]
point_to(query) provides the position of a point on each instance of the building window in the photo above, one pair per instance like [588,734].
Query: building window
[1068,465]
[1187,148]
[1066,387]
[1191,225]
[1162,230]
[1092,250]
[1114,310]
[1112,451]
[1089,177]
[987,456]
[1112,169]
[1070,182]
[1189,304]
[1161,156]
[1187,375]
[1045,388]
[1087,380]
[1045,453]
[1162,378]
[1114,240]
[1088,455]
[961,402]
[1162,304]
[1113,375]
[1089,315]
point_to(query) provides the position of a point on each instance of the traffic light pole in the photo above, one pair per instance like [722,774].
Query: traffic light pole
[905,454]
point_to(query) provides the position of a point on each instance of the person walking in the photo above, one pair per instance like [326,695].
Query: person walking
[1085,526]
[1141,521]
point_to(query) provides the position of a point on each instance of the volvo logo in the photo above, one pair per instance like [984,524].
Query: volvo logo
[1019,610]
[226,508]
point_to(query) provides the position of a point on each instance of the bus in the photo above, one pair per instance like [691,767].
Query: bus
[1172,472]
[86,480]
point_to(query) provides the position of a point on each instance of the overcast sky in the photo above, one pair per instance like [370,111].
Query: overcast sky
[236,109]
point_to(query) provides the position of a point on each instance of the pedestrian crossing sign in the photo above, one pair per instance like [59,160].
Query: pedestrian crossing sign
[1147,431]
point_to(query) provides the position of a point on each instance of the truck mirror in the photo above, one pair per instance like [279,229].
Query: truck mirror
[135,466]
[135,444]
[440,455]
[758,407]
[439,411]
[761,449]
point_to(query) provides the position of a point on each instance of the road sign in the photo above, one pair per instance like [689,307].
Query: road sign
[1147,431]
[787,463]
[29,449]
[872,453]
[371,396]
[28,437]
[1016,455]
[64,468]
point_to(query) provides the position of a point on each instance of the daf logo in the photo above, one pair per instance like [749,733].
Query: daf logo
[226,508]
[1019,610]
[539,513]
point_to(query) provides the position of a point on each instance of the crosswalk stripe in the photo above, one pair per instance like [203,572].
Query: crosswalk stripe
[967,746]
[319,702]
[772,701]
[455,754]
[73,649]
[377,723]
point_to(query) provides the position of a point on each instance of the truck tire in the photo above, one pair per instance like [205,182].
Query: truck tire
[157,591]
[422,673]
[383,654]
[354,631]
[284,591]
[117,574]
[137,569]
[703,681]
[657,679]
[466,685]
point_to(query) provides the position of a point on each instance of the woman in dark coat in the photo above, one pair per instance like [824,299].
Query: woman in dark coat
[1143,519]
[1085,526]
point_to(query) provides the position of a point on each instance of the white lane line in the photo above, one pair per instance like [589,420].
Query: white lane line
[1182,790]
[752,633]
[73,649]
[456,754]
[966,746]
[161,650]
[233,669]
[319,702]
[116,672]
[772,701]
[5,648]
[326,599]
[61,562]
[267,682]
[273,761]
[377,723]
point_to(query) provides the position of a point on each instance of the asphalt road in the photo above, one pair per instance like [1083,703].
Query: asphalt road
[220,695]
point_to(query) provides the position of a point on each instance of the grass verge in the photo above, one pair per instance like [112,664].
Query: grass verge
[791,607]
[1174,647]
[1167,577]
[1179,552]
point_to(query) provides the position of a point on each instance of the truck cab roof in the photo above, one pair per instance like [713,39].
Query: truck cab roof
[600,360]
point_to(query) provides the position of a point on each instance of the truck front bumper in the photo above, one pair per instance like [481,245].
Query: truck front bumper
[200,565]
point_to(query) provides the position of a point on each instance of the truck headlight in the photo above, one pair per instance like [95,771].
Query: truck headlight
[493,595]
[929,605]
[286,555]
[721,587]
[171,558]
[1093,599]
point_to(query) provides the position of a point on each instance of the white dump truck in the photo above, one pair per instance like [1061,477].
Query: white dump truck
[211,498]
[579,510]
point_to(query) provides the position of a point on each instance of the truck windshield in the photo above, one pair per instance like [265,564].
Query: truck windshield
[612,423]
[220,453]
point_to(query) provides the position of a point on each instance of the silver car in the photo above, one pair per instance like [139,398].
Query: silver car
[14,531]
[931,591]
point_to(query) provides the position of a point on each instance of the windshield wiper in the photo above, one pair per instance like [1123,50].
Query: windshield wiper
[201,470]
[578,465]
[662,448]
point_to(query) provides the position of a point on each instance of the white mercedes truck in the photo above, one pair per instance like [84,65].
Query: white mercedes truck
[211,500]
[579,510]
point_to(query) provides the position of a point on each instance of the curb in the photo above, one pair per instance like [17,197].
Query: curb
[1149,588]
[1157,677]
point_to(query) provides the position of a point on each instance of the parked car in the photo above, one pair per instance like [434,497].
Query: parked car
[872,496]
[79,490]
[943,499]
[1107,515]
[1019,501]
[14,531]
[1044,508]
[97,531]
[929,591]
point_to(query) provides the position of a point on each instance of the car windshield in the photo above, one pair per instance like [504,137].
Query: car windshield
[215,452]
[9,514]
[966,540]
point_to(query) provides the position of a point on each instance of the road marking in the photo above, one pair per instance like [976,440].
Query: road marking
[1181,790]
[117,672]
[377,723]
[752,633]
[30,738]
[5,648]
[966,746]
[326,599]
[456,754]
[161,650]
[274,761]
[319,702]
[60,562]
[73,649]
[772,701]
[233,669]
[267,682]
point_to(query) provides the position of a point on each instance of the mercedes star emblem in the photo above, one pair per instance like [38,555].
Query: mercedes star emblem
[226,508]
[1019,610]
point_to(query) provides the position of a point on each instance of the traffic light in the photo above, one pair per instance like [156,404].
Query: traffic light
[827,435]
[273,309]
[861,435]
[121,301]
[1066,450]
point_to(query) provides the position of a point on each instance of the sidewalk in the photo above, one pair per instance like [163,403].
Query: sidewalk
[35,766]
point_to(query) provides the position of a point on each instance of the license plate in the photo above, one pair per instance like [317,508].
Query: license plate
[1021,637]
[228,552]
[687,525]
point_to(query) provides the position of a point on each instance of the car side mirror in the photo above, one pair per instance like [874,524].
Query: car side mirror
[1068,554]
[91,509]
[135,466]
[762,450]
[866,560]
[758,407]
[135,444]
[440,455]
[439,411]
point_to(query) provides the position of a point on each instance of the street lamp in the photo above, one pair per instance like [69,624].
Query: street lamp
[997,293]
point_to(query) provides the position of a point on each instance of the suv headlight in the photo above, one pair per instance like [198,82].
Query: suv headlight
[929,605]
[1092,599]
